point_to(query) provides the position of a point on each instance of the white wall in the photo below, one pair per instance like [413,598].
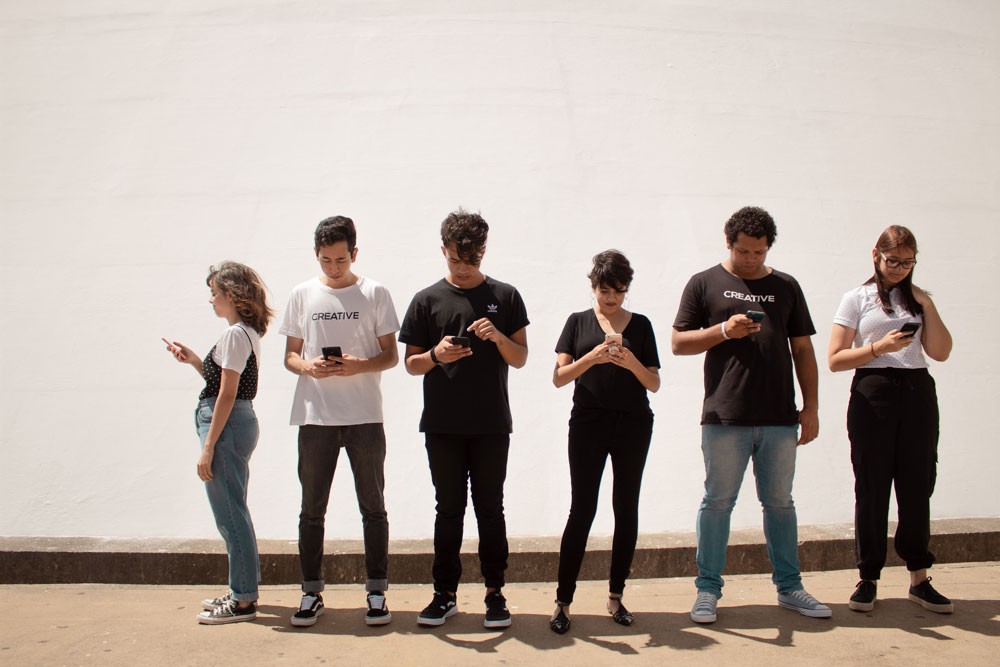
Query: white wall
[141,141]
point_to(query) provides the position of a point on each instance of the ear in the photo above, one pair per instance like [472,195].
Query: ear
[354,254]
[875,256]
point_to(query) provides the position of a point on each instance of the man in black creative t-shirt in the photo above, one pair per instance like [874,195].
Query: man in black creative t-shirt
[753,325]
[462,333]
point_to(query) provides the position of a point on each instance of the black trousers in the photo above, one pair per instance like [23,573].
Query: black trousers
[892,422]
[594,435]
[455,462]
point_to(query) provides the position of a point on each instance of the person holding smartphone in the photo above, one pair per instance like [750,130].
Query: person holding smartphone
[463,334]
[341,334]
[610,355]
[227,428]
[882,330]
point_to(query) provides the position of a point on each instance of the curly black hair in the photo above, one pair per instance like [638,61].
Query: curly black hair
[611,269]
[752,221]
[468,232]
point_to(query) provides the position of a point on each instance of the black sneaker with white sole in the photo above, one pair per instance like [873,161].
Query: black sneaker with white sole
[310,609]
[210,604]
[440,608]
[230,612]
[378,612]
[497,615]
[864,596]
[928,598]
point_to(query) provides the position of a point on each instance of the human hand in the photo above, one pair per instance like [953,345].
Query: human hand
[484,330]
[448,353]
[894,341]
[808,425]
[347,365]
[601,354]
[205,464]
[181,352]
[319,367]
[740,326]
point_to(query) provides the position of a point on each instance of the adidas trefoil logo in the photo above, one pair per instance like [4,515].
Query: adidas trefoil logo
[492,308]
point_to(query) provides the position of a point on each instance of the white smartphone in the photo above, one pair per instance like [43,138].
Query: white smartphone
[614,342]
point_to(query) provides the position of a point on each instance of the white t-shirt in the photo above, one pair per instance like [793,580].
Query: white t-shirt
[352,317]
[861,310]
[233,348]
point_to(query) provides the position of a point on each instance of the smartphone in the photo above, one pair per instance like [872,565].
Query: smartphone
[332,351]
[613,341]
[910,328]
[463,341]
[756,315]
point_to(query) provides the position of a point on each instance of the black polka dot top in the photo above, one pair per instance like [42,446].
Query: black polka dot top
[247,388]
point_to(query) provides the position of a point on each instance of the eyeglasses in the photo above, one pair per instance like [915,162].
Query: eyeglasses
[894,263]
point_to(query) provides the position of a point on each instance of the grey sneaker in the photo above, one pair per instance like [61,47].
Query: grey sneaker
[378,612]
[210,604]
[704,609]
[310,609]
[804,603]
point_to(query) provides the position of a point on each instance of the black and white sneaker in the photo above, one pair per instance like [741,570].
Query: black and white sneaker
[928,598]
[310,609]
[440,608]
[378,612]
[864,596]
[210,604]
[497,615]
[230,612]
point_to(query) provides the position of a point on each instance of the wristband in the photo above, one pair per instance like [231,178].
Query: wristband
[723,328]
[434,357]
[874,356]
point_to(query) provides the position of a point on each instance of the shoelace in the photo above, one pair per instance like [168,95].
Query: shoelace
[704,602]
[307,602]
[376,602]
[228,608]
[804,597]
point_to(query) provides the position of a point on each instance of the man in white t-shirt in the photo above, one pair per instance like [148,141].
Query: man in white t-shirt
[341,334]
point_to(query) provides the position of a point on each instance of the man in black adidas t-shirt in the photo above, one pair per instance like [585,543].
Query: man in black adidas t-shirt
[462,333]
[749,409]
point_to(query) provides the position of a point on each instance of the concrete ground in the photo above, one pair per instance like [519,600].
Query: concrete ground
[90,624]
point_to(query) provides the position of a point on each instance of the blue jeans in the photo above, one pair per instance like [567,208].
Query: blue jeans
[227,492]
[727,450]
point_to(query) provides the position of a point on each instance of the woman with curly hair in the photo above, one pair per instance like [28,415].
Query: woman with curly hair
[227,427]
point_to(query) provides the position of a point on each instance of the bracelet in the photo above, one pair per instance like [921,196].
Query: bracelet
[434,357]
[874,356]
[723,328]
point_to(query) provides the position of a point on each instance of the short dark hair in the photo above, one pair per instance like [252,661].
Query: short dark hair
[334,230]
[611,269]
[468,232]
[752,221]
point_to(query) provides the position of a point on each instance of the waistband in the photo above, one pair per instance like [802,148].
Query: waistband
[238,404]
[899,373]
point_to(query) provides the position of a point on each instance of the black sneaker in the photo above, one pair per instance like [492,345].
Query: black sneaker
[497,615]
[440,608]
[310,609]
[230,612]
[864,596]
[378,613]
[928,598]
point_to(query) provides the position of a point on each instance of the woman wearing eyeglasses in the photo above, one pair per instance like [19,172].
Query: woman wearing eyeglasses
[883,329]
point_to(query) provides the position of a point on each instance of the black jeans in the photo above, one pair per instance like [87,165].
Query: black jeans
[455,461]
[319,449]
[594,435]
[892,422]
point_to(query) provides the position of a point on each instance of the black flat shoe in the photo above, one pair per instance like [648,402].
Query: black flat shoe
[621,616]
[560,623]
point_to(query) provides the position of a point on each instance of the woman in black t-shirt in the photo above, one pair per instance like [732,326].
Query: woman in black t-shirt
[611,355]
[227,427]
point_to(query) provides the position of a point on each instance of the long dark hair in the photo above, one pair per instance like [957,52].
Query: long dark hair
[242,284]
[895,236]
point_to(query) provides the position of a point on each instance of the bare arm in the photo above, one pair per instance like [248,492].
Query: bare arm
[697,341]
[842,356]
[804,359]
[567,369]
[513,348]
[935,337]
[184,354]
[228,385]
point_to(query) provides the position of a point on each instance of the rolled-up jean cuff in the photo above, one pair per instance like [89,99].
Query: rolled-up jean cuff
[313,586]
[376,585]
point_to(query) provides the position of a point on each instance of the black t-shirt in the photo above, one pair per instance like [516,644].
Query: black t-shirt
[468,397]
[747,381]
[607,386]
